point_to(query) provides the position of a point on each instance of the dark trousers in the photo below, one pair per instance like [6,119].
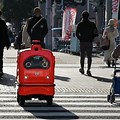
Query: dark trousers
[1,58]
[86,49]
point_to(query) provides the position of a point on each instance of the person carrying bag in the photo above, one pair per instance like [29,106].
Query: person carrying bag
[112,33]
[105,42]
[37,27]
[25,37]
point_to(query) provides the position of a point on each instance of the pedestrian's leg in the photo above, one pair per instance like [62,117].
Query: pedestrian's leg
[108,63]
[89,60]
[82,58]
[1,61]
[113,63]
[89,56]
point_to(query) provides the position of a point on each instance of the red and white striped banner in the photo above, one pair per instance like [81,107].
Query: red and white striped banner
[115,9]
[69,17]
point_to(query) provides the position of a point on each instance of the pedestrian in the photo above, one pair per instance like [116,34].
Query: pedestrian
[18,41]
[37,26]
[25,37]
[86,31]
[4,41]
[112,33]
[11,36]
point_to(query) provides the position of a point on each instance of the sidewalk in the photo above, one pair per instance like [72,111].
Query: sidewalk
[61,58]
[67,78]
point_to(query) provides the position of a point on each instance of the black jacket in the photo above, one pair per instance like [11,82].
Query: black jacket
[4,39]
[39,31]
[86,31]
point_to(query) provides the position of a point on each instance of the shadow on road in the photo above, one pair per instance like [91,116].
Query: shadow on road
[8,80]
[62,78]
[102,79]
[116,103]
[43,111]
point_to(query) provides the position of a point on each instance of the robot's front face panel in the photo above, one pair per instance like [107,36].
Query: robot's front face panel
[36,62]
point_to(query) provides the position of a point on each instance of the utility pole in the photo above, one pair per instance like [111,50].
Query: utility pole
[36,2]
[48,40]
[100,15]
[62,3]
[108,11]
[88,4]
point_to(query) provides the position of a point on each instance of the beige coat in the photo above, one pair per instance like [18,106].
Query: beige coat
[111,35]
[26,37]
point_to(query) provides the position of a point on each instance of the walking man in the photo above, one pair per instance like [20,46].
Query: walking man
[85,32]
[4,41]
[37,26]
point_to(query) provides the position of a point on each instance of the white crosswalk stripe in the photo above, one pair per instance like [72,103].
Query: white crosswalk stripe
[64,107]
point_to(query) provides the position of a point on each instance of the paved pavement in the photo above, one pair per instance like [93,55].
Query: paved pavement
[77,96]
[67,78]
[64,107]
[61,58]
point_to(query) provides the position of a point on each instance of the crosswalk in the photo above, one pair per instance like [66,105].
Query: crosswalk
[64,107]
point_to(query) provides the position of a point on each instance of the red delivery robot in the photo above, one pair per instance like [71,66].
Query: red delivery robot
[35,74]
